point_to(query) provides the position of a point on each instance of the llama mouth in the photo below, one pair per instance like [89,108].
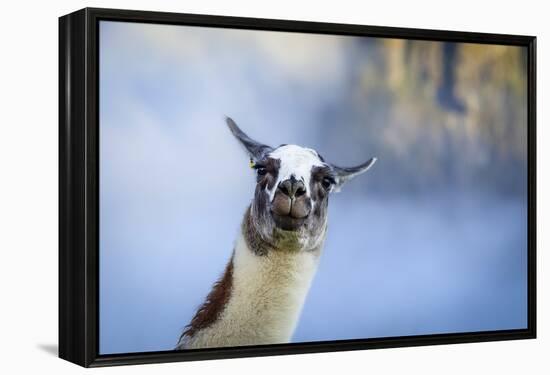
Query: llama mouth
[288,222]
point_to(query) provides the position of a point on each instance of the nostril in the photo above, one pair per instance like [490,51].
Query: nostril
[284,189]
[299,192]
[292,188]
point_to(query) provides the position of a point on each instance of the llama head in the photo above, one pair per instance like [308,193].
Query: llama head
[293,183]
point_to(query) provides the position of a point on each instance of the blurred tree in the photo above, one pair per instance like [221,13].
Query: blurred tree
[446,93]
[438,115]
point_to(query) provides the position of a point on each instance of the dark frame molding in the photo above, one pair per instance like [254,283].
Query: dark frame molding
[79,185]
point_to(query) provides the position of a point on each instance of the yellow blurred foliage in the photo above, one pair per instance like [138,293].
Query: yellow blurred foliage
[477,107]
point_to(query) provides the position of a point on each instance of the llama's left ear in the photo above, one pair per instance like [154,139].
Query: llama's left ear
[256,150]
[344,174]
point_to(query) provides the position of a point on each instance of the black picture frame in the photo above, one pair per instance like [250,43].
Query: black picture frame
[79,185]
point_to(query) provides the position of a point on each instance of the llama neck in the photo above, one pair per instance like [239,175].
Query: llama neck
[264,300]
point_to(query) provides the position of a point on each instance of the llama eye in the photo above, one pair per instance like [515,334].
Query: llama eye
[327,182]
[261,171]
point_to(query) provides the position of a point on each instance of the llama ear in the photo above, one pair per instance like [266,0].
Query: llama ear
[256,150]
[344,174]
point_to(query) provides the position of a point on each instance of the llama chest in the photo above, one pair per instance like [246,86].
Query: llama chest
[267,296]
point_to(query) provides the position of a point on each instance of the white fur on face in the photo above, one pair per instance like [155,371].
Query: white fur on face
[297,161]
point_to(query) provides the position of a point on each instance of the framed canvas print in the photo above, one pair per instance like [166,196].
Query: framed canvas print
[237,187]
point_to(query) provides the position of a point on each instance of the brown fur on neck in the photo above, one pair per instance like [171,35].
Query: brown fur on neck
[218,297]
[215,302]
[210,311]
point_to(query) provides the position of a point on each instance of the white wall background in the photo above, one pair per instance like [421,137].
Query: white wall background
[28,188]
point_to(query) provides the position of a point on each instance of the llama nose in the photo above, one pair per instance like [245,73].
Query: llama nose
[292,187]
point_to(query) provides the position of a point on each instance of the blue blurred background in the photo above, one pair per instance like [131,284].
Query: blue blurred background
[431,240]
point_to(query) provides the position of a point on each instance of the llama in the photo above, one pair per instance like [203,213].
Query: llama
[260,295]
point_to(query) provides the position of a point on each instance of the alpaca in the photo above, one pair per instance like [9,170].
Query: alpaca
[260,295]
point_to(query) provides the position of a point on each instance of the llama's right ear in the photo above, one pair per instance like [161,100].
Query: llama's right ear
[256,150]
